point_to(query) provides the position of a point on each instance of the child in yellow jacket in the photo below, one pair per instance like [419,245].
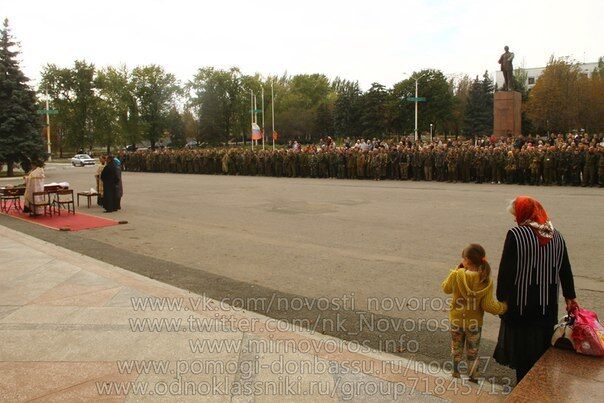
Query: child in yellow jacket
[472,291]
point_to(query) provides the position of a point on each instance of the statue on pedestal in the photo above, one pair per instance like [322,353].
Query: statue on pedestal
[507,68]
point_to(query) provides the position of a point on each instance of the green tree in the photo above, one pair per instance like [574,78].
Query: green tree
[324,120]
[554,102]
[216,95]
[84,104]
[520,85]
[116,93]
[20,137]
[438,108]
[591,94]
[189,125]
[346,108]
[176,128]
[461,94]
[300,97]
[105,123]
[479,110]
[373,111]
[57,82]
[156,92]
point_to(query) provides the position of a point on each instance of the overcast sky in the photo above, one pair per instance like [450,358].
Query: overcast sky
[375,40]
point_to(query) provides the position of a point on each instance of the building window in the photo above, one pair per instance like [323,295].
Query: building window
[531,80]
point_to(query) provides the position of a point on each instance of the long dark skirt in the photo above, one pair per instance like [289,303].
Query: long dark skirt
[520,345]
[109,196]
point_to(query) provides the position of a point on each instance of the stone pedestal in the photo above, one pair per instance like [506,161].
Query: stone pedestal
[507,114]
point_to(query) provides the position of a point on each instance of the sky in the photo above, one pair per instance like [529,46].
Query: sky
[369,41]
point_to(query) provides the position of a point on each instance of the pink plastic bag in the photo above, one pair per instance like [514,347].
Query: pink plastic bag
[588,332]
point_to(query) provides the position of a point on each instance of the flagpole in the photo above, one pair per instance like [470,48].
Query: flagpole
[48,129]
[273,113]
[252,115]
[255,115]
[262,95]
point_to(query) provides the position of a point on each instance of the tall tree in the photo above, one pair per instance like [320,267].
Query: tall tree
[300,97]
[20,137]
[554,103]
[116,92]
[57,82]
[373,111]
[520,85]
[216,95]
[324,120]
[438,107]
[189,125]
[156,92]
[176,129]
[82,133]
[591,94]
[479,111]
[346,108]
[462,90]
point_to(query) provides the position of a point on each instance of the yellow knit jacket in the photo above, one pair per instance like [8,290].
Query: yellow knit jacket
[471,298]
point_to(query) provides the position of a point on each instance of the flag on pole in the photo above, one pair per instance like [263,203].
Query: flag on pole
[256,133]
[275,135]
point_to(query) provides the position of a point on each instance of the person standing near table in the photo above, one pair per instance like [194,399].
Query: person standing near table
[34,182]
[99,182]
[110,179]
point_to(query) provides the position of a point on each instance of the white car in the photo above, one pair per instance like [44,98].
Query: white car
[81,160]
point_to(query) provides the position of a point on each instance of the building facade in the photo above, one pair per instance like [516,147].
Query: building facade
[534,73]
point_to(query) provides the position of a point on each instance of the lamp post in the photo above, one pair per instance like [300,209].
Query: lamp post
[416,99]
[431,136]
[48,149]
[273,112]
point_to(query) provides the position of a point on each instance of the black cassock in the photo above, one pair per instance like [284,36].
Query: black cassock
[111,180]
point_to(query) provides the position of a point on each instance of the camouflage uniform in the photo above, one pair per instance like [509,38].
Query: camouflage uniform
[351,164]
[511,167]
[590,167]
[549,168]
[535,167]
[404,164]
[601,166]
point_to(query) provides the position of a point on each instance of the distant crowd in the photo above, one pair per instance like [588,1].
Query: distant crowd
[557,159]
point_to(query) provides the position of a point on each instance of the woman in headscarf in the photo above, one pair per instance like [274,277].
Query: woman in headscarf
[534,264]
[110,178]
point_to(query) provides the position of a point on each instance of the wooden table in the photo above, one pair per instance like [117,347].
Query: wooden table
[88,196]
[19,190]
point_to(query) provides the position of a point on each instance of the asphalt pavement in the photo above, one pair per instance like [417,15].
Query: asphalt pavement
[359,260]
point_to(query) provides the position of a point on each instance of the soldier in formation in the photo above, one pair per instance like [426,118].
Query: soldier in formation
[563,163]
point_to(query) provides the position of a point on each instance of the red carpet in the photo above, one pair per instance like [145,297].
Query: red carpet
[65,221]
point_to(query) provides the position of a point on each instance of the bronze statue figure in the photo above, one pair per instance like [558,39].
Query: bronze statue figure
[508,70]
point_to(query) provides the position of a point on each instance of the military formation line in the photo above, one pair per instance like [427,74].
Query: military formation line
[561,164]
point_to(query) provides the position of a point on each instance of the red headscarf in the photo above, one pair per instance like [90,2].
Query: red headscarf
[531,213]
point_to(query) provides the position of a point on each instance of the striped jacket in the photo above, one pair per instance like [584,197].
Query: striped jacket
[530,277]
